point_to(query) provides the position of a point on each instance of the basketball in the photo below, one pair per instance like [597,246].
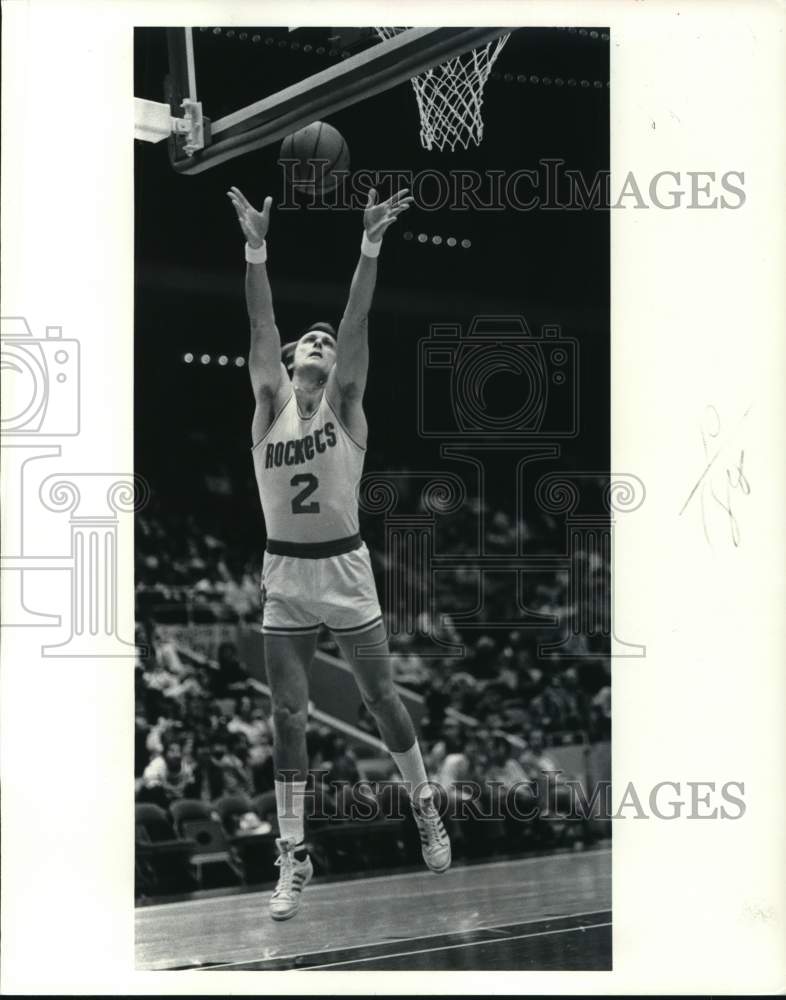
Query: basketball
[314,158]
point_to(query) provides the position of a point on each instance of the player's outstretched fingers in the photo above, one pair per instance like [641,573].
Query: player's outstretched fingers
[400,197]
[240,197]
[237,206]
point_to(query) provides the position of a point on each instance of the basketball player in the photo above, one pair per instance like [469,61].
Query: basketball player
[308,445]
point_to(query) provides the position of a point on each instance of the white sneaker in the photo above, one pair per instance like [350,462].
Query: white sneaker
[435,841]
[295,876]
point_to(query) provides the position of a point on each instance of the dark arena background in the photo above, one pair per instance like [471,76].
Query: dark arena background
[485,506]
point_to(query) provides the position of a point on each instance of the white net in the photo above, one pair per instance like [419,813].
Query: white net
[450,96]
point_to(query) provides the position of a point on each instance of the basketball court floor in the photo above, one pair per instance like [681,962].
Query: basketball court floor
[550,912]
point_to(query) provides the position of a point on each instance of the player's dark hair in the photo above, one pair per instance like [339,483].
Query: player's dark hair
[323,327]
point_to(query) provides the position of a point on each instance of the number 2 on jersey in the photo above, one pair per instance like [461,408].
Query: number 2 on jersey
[310,483]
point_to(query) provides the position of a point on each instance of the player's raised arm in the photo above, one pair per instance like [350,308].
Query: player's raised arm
[264,356]
[352,348]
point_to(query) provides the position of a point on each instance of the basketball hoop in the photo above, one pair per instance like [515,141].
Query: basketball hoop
[450,95]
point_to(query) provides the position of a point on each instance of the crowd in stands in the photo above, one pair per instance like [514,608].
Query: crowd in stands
[203,731]
[204,734]
[183,567]
[204,727]
[187,571]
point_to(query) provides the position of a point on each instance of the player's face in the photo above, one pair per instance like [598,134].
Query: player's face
[316,350]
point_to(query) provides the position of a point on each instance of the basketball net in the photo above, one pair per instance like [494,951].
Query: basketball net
[450,96]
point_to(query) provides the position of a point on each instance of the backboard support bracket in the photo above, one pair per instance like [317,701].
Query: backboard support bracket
[153,121]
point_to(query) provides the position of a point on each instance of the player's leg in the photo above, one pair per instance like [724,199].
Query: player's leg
[287,659]
[368,655]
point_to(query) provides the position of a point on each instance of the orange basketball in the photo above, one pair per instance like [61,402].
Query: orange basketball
[314,158]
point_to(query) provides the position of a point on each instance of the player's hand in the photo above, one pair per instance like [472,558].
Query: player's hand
[377,218]
[253,223]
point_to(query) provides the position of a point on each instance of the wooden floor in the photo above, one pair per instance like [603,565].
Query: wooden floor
[546,912]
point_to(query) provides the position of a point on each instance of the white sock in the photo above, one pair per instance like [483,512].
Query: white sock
[290,807]
[412,770]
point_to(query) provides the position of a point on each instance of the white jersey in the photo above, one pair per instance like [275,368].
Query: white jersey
[308,470]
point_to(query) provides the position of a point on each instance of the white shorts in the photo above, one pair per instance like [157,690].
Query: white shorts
[299,595]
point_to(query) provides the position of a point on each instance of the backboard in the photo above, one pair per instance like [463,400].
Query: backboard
[207,120]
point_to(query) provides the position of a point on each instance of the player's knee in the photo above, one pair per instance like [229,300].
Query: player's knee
[289,719]
[382,700]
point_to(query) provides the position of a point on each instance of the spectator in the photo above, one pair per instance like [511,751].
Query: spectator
[452,757]
[503,767]
[230,669]
[237,777]
[535,760]
[250,723]
[168,774]
[409,670]
[207,781]
[188,684]
[157,733]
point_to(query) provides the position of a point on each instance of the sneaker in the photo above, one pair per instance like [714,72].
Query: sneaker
[435,841]
[295,876]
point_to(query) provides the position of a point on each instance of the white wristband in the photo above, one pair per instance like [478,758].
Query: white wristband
[368,247]
[256,255]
